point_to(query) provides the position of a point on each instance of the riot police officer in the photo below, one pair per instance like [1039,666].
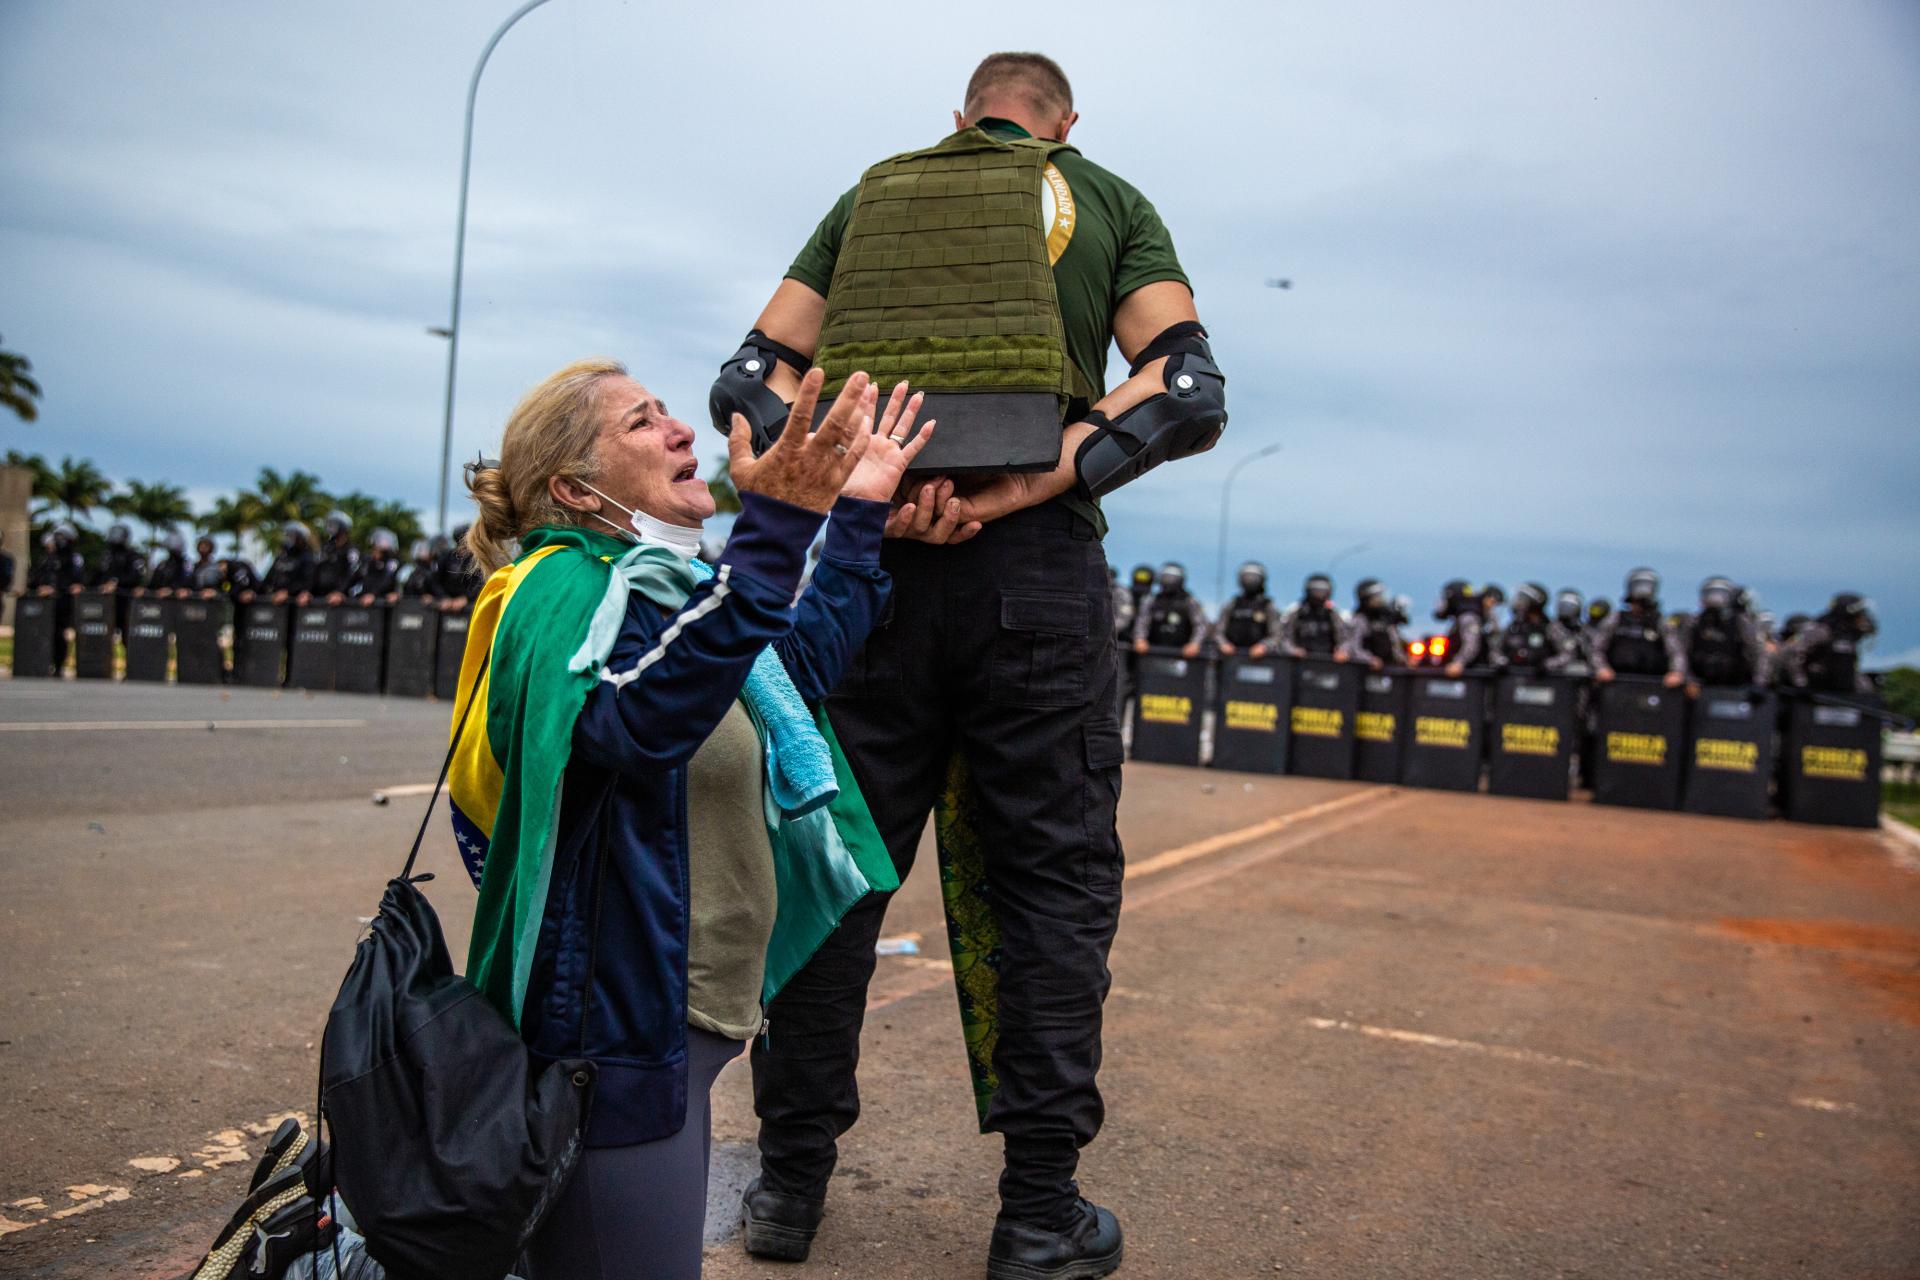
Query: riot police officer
[1462,611]
[1375,627]
[1825,655]
[1569,610]
[337,564]
[377,578]
[1173,619]
[460,580]
[171,575]
[1314,626]
[1531,641]
[1636,640]
[1723,644]
[291,572]
[1122,606]
[1491,598]
[121,570]
[1249,619]
[60,572]
[419,580]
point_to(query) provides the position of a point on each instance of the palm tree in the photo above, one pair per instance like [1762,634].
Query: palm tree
[294,496]
[369,513]
[18,390]
[77,486]
[159,506]
[233,516]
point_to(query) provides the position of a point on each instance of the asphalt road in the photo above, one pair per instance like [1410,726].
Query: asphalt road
[1356,1031]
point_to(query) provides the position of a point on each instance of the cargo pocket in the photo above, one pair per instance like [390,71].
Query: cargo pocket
[876,671]
[1039,657]
[1105,864]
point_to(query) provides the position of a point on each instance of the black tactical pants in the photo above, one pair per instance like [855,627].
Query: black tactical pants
[1000,649]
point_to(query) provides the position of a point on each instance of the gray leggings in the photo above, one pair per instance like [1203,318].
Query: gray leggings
[640,1212]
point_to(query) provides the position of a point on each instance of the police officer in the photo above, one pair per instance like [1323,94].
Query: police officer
[61,573]
[171,575]
[1250,618]
[1825,655]
[121,570]
[1723,644]
[1569,610]
[291,573]
[377,578]
[1636,640]
[337,564]
[1122,606]
[1491,598]
[1374,630]
[1037,737]
[1173,619]
[460,581]
[1462,611]
[419,580]
[1531,641]
[1314,627]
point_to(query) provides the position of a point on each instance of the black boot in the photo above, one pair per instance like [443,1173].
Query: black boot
[1090,1247]
[780,1226]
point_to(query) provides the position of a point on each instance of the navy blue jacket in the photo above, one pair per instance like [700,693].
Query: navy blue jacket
[624,802]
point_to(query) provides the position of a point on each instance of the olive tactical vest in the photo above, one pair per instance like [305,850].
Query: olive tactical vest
[943,276]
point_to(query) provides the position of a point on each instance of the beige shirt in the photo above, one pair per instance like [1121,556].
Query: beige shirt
[730,884]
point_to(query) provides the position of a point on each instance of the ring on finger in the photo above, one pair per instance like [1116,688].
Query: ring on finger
[840,449]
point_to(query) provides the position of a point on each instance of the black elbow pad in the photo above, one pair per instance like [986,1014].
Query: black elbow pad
[1184,420]
[742,388]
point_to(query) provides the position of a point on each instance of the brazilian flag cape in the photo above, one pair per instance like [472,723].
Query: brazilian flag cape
[509,762]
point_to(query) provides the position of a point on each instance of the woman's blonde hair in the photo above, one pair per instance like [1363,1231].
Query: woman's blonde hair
[551,433]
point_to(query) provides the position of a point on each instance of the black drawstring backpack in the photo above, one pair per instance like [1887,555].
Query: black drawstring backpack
[449,1147]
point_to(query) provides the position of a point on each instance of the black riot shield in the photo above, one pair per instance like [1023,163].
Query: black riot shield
[263,627]
[1380,726]
[1446,729]
[1326,695]
[359,640]
[413,637]
[93,635]
[1833,762]
[1250,733]
[452,651]
[1638,743]
[1530,749]
[33,623]
[196,641]
[149,637]
[1166,717]
[1730,753]
[310,657]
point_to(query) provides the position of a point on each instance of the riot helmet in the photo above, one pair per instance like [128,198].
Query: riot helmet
[441,544]
[1454,594]
[1403,610]
[175,544]
[1253,577]
[1764,620]
[1717,593]
[460,534]
[1744,600]
[383,540]
[1319,588]
[1530,597]
[1368,591]
[1491,596]
[1567,607]
[339,524]
[1643,587]
[1173,576]
[421,552]
[63,535]
[295,536]
[204,546]
[1598,610]
[119,535]
[1794,625]
[1142,577]
[1851,612]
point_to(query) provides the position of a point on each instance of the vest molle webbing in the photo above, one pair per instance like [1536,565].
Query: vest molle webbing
[943,276]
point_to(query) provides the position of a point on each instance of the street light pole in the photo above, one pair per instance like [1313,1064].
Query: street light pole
[1226,496]
[460,253]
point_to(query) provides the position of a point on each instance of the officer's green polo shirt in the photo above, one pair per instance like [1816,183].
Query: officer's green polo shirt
[1105,240]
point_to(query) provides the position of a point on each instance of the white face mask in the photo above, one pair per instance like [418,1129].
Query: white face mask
[648,532]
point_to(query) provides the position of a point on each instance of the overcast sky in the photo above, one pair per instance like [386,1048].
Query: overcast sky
[1574,287]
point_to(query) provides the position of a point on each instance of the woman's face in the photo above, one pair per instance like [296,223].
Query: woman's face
[646,458]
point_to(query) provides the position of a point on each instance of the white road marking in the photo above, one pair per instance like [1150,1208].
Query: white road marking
[1506,1052]
[1823,1104]
[1245,835]
[1903,843]
[405,789]
[121,726]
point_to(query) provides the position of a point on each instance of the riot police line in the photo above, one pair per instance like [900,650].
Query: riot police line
[409,648]
[1729,751]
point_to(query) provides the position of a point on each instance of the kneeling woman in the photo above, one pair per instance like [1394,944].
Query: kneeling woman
[661,828]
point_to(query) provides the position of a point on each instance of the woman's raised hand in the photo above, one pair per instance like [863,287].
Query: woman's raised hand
[805,467]
[889,451]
